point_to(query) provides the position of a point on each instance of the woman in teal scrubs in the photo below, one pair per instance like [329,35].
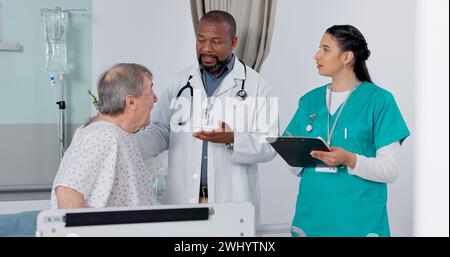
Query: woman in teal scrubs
[364,127]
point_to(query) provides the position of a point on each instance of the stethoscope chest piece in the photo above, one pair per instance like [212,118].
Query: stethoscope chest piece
[309,127]
[241,94]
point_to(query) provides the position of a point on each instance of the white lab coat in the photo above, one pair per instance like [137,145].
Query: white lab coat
[232,170]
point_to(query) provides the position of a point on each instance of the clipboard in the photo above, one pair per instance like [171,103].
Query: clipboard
[296,150]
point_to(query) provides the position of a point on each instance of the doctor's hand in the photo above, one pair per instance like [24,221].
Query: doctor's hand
[223,134]
[336,157]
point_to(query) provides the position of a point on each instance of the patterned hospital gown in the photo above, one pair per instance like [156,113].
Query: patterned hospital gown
[103,163]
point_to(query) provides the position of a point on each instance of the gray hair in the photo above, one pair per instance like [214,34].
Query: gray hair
[116,83]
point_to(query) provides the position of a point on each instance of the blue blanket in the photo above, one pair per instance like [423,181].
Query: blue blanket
[18,224]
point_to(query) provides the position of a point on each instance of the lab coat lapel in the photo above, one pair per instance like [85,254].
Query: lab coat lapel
[233,79]
[199,106]
[197,84]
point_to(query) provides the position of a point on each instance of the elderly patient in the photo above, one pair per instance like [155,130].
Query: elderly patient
[102,166]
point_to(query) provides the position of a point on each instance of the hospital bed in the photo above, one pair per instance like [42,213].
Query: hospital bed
[194,220]
[34,218]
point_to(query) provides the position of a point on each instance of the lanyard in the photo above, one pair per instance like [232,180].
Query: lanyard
[330,133]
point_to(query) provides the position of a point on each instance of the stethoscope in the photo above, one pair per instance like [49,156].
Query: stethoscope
[309,127]
[242,94]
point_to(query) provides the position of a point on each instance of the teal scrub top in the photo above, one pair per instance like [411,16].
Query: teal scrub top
[340,204]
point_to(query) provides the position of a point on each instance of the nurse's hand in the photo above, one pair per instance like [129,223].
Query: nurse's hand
[223,134]
[336,157]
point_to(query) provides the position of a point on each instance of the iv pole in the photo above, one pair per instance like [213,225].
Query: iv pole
[62,120]
[58,68]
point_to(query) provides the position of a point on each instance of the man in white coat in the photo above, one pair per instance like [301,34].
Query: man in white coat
[218,165]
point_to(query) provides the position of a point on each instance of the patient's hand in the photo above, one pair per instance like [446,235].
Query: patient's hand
[68,198]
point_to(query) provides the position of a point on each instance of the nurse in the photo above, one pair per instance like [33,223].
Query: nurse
[364,127]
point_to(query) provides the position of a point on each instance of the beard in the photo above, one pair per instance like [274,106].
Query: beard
[218,65]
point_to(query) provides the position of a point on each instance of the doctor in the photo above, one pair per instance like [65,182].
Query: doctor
[218,165]
[364,127]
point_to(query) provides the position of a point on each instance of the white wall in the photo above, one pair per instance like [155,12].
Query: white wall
[432,126]
[159,34]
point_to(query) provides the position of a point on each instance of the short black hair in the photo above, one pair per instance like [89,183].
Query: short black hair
[221,16]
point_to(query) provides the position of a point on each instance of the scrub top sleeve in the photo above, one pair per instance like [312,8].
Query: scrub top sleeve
[389,125]
[293,128]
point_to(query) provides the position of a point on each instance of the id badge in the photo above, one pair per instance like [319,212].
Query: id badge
[326,169]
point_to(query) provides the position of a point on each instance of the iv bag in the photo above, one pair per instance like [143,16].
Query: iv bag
[55,22]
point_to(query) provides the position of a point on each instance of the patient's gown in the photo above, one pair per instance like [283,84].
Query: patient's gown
[103,163]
